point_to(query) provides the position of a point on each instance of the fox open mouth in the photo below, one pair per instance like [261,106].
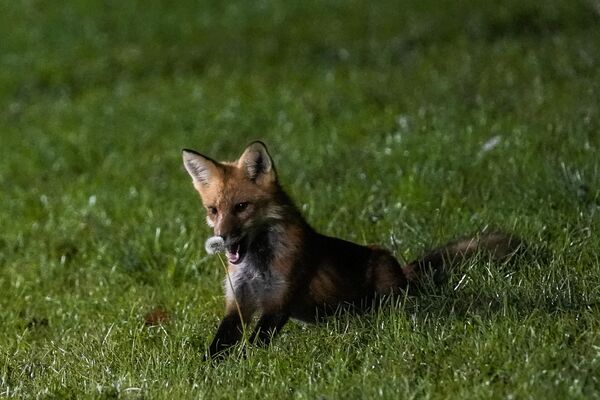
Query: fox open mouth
[235,252]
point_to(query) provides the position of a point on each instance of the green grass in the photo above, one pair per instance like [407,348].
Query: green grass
[377,115]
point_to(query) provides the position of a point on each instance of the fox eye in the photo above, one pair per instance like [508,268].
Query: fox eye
[239,207]
[212,210]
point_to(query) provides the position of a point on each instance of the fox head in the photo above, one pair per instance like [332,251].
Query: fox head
[239,196]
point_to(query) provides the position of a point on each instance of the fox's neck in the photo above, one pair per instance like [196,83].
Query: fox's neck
[278,236]
[291,213]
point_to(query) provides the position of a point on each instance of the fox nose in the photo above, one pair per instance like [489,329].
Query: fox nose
[230,238]
[227,228]
[224,239]
[220,231]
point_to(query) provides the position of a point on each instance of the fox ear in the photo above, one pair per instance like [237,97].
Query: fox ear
[257,162]
[201,168]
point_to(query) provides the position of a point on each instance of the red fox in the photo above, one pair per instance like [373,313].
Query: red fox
[281,268]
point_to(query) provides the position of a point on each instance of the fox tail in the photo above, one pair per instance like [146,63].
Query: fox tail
[437,264]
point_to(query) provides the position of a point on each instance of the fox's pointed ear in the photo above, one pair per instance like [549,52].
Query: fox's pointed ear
[201,168]
[257,162]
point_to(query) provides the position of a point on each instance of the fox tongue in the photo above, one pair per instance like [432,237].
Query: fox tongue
[233,253]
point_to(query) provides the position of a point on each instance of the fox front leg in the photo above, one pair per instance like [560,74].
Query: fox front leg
[268,326]
[230,332]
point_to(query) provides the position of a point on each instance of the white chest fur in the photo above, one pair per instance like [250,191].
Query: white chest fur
[254,288]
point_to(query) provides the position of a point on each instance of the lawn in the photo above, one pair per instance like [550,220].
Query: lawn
[400,123]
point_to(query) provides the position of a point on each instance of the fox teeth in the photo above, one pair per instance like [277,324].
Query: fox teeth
[214,244]
[233,253]
[233,257]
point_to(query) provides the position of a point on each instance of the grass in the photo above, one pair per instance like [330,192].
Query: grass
[417,121]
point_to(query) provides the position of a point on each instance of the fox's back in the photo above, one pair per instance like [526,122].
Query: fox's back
[339,273]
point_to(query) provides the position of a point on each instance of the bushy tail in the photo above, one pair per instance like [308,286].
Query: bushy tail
[437,264]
